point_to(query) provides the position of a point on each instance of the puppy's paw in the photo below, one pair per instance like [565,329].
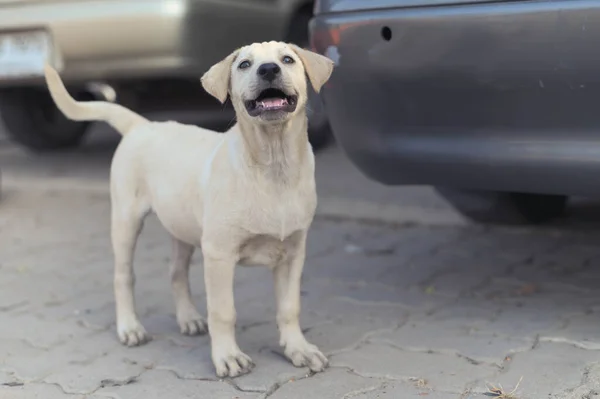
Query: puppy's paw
[133,334]
[232,363]
[192,324]
[307,355]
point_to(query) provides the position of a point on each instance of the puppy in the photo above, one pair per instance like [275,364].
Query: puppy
[247,196]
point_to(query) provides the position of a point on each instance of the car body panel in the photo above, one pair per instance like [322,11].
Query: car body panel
[122,39]
[335,6]
[496,96]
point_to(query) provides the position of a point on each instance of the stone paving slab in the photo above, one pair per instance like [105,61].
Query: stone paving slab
[403,311]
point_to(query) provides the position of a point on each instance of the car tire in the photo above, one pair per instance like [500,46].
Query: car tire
[319,130]
[33,120]
[506,208]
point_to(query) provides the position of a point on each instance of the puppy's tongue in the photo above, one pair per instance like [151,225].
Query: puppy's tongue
[273,103]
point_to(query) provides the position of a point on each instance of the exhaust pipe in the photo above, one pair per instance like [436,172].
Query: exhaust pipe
[102,91]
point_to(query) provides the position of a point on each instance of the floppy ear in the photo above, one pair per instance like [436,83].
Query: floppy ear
[317,67]
[216,80]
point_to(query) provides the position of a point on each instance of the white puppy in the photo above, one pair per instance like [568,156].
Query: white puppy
[247,196]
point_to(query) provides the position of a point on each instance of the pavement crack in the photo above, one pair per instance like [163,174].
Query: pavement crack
[366,338]
[279,384]
[180,377]
[590,346]
[107,383]
[239,388]
[64,391]
[12,384]
[227,381]
[378,303]
[536,343]
[89,360]
[385,377]
[430,351]
[355,393]
[417,382]
[13,306]
[39,347]
[586,389]
[118,383]
[474,362]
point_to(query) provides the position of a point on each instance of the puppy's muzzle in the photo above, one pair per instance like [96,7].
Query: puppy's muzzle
[269,71]
[272,103]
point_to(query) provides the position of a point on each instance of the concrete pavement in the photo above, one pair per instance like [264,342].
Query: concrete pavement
[438,309]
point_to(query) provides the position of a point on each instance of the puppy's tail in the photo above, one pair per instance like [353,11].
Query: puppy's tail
[119,117]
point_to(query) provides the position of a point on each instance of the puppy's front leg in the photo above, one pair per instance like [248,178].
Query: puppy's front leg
[288,276]
[219,268]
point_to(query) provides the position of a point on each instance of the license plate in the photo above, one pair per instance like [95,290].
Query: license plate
[23,54]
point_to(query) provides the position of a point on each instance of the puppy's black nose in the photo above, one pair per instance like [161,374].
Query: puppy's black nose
[269,71]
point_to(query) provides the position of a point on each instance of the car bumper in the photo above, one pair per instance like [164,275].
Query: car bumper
[122,39]
[499,96]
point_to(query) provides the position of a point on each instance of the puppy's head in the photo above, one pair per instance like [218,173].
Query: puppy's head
[267,81]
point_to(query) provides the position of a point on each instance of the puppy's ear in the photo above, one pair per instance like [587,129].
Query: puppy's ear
[317,67]
[216,80]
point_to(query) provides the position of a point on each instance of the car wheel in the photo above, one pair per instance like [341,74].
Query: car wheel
[32,120]
[319,131]
[506,208]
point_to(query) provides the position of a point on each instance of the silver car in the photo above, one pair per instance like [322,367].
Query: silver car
[145,54]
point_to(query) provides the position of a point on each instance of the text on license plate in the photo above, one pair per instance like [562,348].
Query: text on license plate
[23,54]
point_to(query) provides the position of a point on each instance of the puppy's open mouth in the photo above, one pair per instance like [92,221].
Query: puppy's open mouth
[270,101]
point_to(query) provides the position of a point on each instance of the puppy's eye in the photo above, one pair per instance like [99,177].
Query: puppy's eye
[244,65]
[288,60]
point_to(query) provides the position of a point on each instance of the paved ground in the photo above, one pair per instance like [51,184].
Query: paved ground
[433,308]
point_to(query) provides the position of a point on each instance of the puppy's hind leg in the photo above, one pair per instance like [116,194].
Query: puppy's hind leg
[125,228]
[189,320]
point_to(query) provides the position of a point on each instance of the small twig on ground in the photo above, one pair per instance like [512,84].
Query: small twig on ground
[499,392]
[420,383]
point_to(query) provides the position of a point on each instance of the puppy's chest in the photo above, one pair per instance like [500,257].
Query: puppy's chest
[262,250]
[279,215]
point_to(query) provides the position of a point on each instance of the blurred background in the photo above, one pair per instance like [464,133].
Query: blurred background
[458,158]
[492,105]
